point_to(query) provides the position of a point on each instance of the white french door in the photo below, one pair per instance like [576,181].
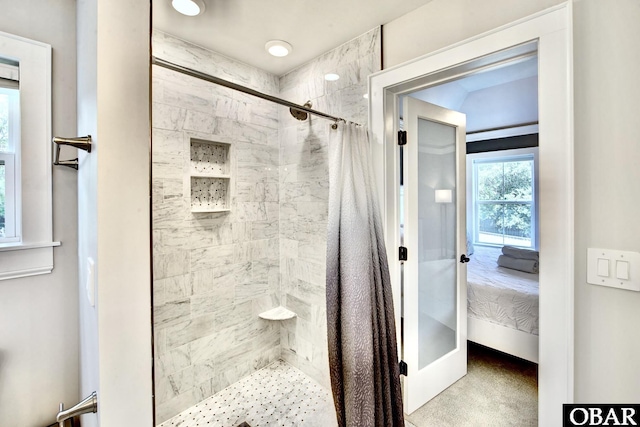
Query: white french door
[434,234]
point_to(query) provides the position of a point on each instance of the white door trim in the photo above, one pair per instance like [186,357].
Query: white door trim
[552,29]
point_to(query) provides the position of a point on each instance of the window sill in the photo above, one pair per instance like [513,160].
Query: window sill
[19,246]
[26,259]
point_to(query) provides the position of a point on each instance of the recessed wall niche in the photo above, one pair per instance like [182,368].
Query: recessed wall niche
[210,168]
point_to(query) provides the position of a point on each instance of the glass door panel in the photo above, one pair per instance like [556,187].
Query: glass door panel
[437,230]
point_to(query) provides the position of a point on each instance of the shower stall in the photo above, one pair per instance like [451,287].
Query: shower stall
[239,215]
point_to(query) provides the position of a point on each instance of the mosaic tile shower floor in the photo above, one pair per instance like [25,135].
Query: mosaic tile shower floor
[277,395]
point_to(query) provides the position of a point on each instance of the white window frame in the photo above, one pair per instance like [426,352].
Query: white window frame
[503,155]
[11,231]
[32,253]
[12,170]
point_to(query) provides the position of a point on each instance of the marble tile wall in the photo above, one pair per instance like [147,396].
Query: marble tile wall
[304,190]
[213,272]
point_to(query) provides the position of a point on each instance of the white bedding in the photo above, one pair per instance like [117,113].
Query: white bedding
[501,295]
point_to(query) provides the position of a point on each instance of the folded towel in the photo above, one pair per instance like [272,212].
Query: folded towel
[526,265]
[514,252]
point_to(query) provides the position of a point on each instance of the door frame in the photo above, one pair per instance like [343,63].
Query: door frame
[552,29]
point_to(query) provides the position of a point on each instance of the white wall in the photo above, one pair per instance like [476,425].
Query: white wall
[38,315]
[512,103]
[607,200]
[508,104]
[607,65]
[114,229]
[441,23]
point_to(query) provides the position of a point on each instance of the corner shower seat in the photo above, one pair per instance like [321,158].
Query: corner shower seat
[277,313]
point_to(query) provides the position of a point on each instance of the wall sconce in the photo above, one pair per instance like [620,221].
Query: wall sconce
[444,196]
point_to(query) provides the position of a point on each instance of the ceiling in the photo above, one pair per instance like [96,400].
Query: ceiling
[240,28]
[453,94]
[497,97]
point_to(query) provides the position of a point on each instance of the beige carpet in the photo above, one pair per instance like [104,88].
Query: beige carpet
[498,390]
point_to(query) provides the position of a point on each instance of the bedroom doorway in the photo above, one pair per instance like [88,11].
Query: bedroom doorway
[548,34]
[494,110]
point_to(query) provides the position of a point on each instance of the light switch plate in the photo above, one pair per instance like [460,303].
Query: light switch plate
[616,260]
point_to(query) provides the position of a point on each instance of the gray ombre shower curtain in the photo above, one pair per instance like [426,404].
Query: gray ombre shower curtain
[363,360]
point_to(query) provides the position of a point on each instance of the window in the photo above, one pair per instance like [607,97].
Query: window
[26,227]
[503,198]
[9,144]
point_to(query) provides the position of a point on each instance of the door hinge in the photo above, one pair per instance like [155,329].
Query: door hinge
[404,369]
[402,253]
[402,137]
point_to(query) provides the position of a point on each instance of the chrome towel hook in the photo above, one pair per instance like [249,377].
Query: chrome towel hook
[81,142]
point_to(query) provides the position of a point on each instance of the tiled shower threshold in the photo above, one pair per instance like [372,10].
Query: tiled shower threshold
[277,395]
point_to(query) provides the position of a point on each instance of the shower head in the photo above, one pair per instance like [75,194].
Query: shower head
[299,114]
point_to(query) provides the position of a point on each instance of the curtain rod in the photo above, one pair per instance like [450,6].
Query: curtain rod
[216,80]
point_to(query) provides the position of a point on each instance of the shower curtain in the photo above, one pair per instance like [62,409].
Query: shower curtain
[363,361]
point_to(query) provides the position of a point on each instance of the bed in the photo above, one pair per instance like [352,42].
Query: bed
[502,306]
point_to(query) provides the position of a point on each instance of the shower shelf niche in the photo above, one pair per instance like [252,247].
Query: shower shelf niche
[210,176]
[277,313]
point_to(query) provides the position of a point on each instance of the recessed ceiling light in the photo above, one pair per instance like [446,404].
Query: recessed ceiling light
[278,48]
[331,77]
[365,96]
[188,7]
